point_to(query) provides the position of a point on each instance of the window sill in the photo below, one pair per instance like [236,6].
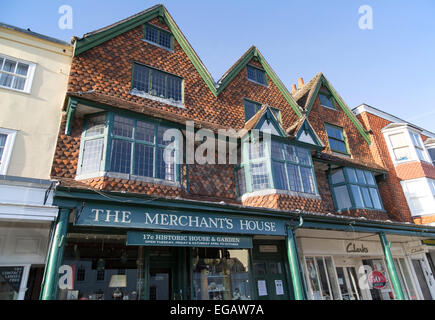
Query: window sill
[130,177]
[337,153]
[281,192]
[158,99]
[16,90]
[327,107]
[261,84]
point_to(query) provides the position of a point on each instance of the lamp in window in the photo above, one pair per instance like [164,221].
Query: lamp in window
[118,281]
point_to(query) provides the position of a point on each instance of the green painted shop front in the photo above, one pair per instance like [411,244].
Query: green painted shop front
[169,251]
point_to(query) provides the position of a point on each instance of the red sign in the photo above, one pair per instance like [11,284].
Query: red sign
[377,280]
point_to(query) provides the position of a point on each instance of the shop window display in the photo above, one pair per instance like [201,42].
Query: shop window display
[221,274]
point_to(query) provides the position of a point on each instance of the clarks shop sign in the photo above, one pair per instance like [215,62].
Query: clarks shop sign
[150,218]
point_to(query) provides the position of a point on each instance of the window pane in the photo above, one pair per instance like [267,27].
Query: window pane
[326,101]
[22,69]
[164,170]
[375,197]
[337,176]
[260,179]
[432,154]
[143,160]
[241,182]
[402,153]
[294,178]
[251,73]
[307,180]
[145,131]
[165,39]
[369,177]
[160,132]
[332,278]
[251,109]
[342,197]
[9,66]
[351,175]
[336,145]
[290,153]
[95,125]
[277,152]
[6,80]
[313,280]
[360,176]
[420,154]
[261,76]
[158,80]
[334,132]
[416,139]
[408,279]
[366,196]
[151,34]
[1,62]
[256,150]
[141,78]
[123,127]
[357,196]
[121,156]
[18,83]
[398,140]
[174,88]
[280,176]
[323,279]
[2,144]
[304,156]
[92,155]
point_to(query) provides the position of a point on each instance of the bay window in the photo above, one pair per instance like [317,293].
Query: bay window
[126,146]
[354,188]
[275,165]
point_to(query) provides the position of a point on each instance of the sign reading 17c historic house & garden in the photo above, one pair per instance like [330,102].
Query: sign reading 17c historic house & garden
[162,219]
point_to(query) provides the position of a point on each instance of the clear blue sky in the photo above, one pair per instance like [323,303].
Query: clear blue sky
[391,67]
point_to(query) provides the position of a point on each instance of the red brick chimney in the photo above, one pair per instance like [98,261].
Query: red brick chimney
[293,89]
[300,82]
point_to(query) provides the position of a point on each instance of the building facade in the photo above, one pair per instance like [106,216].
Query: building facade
[33,77]
[407,150]
[296,207]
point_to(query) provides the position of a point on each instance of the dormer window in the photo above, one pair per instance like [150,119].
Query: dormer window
[158,36]
[336,139]
[252,107]
[256,75]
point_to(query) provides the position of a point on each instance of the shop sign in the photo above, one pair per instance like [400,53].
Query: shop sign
[162,219]
[137,238]
[351,247]
[12,275]
[377,280]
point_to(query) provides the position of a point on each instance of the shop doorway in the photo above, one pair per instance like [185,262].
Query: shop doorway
[160,287]
[348,283]
[423,276]
[34,282]
[270,274]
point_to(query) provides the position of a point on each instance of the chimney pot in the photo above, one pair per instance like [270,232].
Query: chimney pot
[300,82]
[294,88]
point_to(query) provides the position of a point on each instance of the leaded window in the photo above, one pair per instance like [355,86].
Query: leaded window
[326,101]
[355,188]
[157,83]
[277,166]
[255,74]
[134,147]
[158,36]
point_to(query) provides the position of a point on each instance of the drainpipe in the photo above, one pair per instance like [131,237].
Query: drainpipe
[50,285]
[293,259]
[391,267]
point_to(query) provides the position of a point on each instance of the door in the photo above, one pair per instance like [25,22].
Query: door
[270,280]
[424,276]
[348,283]
[160,287]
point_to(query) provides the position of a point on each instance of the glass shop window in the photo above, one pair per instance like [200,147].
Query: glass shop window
[101,267]
[221,274]
[321,278]
[10,281]
[378,280]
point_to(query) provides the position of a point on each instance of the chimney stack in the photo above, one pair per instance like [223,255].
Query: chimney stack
[294,89]
[300,82]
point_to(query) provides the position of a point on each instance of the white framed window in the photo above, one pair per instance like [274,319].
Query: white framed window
[7,139]
[405,144]
[16,74]
[420,195]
